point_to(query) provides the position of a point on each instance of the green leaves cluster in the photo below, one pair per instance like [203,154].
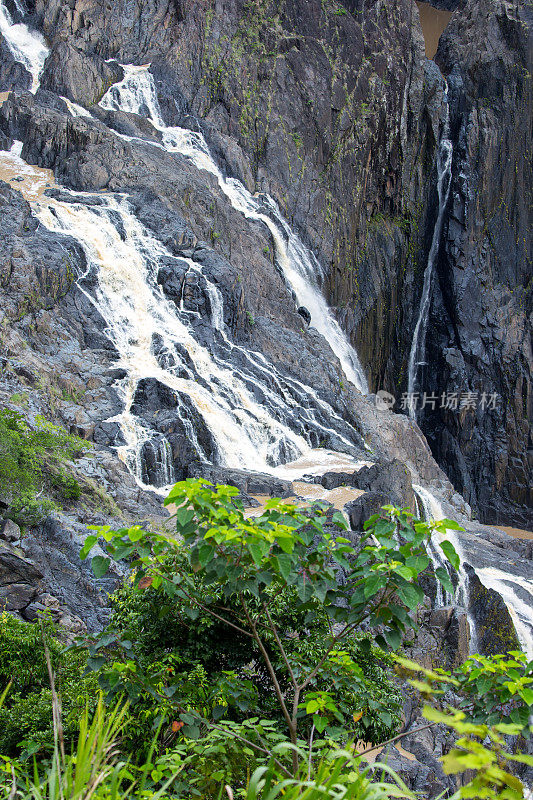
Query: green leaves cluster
[483,749]
[33,478]
[248,563]
[493,689]
[26,716]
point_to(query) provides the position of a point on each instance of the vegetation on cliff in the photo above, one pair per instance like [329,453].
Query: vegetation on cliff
[236,664]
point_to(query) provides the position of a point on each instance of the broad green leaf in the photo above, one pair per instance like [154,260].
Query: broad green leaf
[338,519]
[393,638]
[450,524]
[136,533]
[410,594]
[373,584]
[100,565]
[418,563]
[320,723]
[183,517]
[256,551]
[442,575]
[285,564]
[451,554]
[88,545]
[526,695]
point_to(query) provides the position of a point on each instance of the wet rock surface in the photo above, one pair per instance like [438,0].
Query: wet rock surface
[480,331]
[337,116]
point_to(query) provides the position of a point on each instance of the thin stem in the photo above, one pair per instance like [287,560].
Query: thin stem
[332,644]
[395,738]
[281,648]
[291,721]
[268,663]
[310,752]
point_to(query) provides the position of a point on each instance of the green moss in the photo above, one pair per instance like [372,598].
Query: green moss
[34,479]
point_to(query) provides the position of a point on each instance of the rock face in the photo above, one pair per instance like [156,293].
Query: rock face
[334,111]
[479,337]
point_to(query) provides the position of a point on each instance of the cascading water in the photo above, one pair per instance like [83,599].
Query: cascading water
[247,432]
[27,46]
[515,591]
[418,346]
[517,594]
[256,417]
[433,513]
[136,94]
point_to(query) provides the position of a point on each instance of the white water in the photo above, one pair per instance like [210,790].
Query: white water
[508,586]
[433,513]
[136,94]
[520,611]
[27,46]
[126,257]
[418,346]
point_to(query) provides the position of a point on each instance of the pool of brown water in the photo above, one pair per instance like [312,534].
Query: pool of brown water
[433,22]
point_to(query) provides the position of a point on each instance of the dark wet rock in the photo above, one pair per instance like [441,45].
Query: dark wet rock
[15,568]
[453,631]
[305,314]
[332,480]
[9,530]
[362,508]
[390,478]
[5,142]
[108,434]
[13,75]
[16,596]
[55,546]
[479,331]
[494,625]
[172,414]
[170,278]
[81,77]
[248,482]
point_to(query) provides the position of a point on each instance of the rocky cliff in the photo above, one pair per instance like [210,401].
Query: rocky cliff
[331,112]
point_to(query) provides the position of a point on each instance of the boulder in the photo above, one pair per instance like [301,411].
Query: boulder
[16,596]
[248,482]
[9,530]
[360,509]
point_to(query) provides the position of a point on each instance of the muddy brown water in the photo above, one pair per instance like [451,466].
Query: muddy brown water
[516,533]
[433,22]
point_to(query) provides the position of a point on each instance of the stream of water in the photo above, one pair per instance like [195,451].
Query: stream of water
[515,591]
[136,93]
[27,46]
[257,419]
[418,346]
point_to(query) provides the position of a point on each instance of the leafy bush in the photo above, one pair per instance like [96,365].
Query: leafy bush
[26,715]
[235,570]
[33,478]
[220,672]
[492,689]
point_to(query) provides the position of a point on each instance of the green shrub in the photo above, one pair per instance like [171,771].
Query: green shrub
[33,478]
[27,712]
[258,601]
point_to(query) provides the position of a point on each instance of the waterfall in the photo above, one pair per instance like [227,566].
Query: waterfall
[27,46]
[256,418]
[418,346]
[136,94]
[508,586]
[433,513]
